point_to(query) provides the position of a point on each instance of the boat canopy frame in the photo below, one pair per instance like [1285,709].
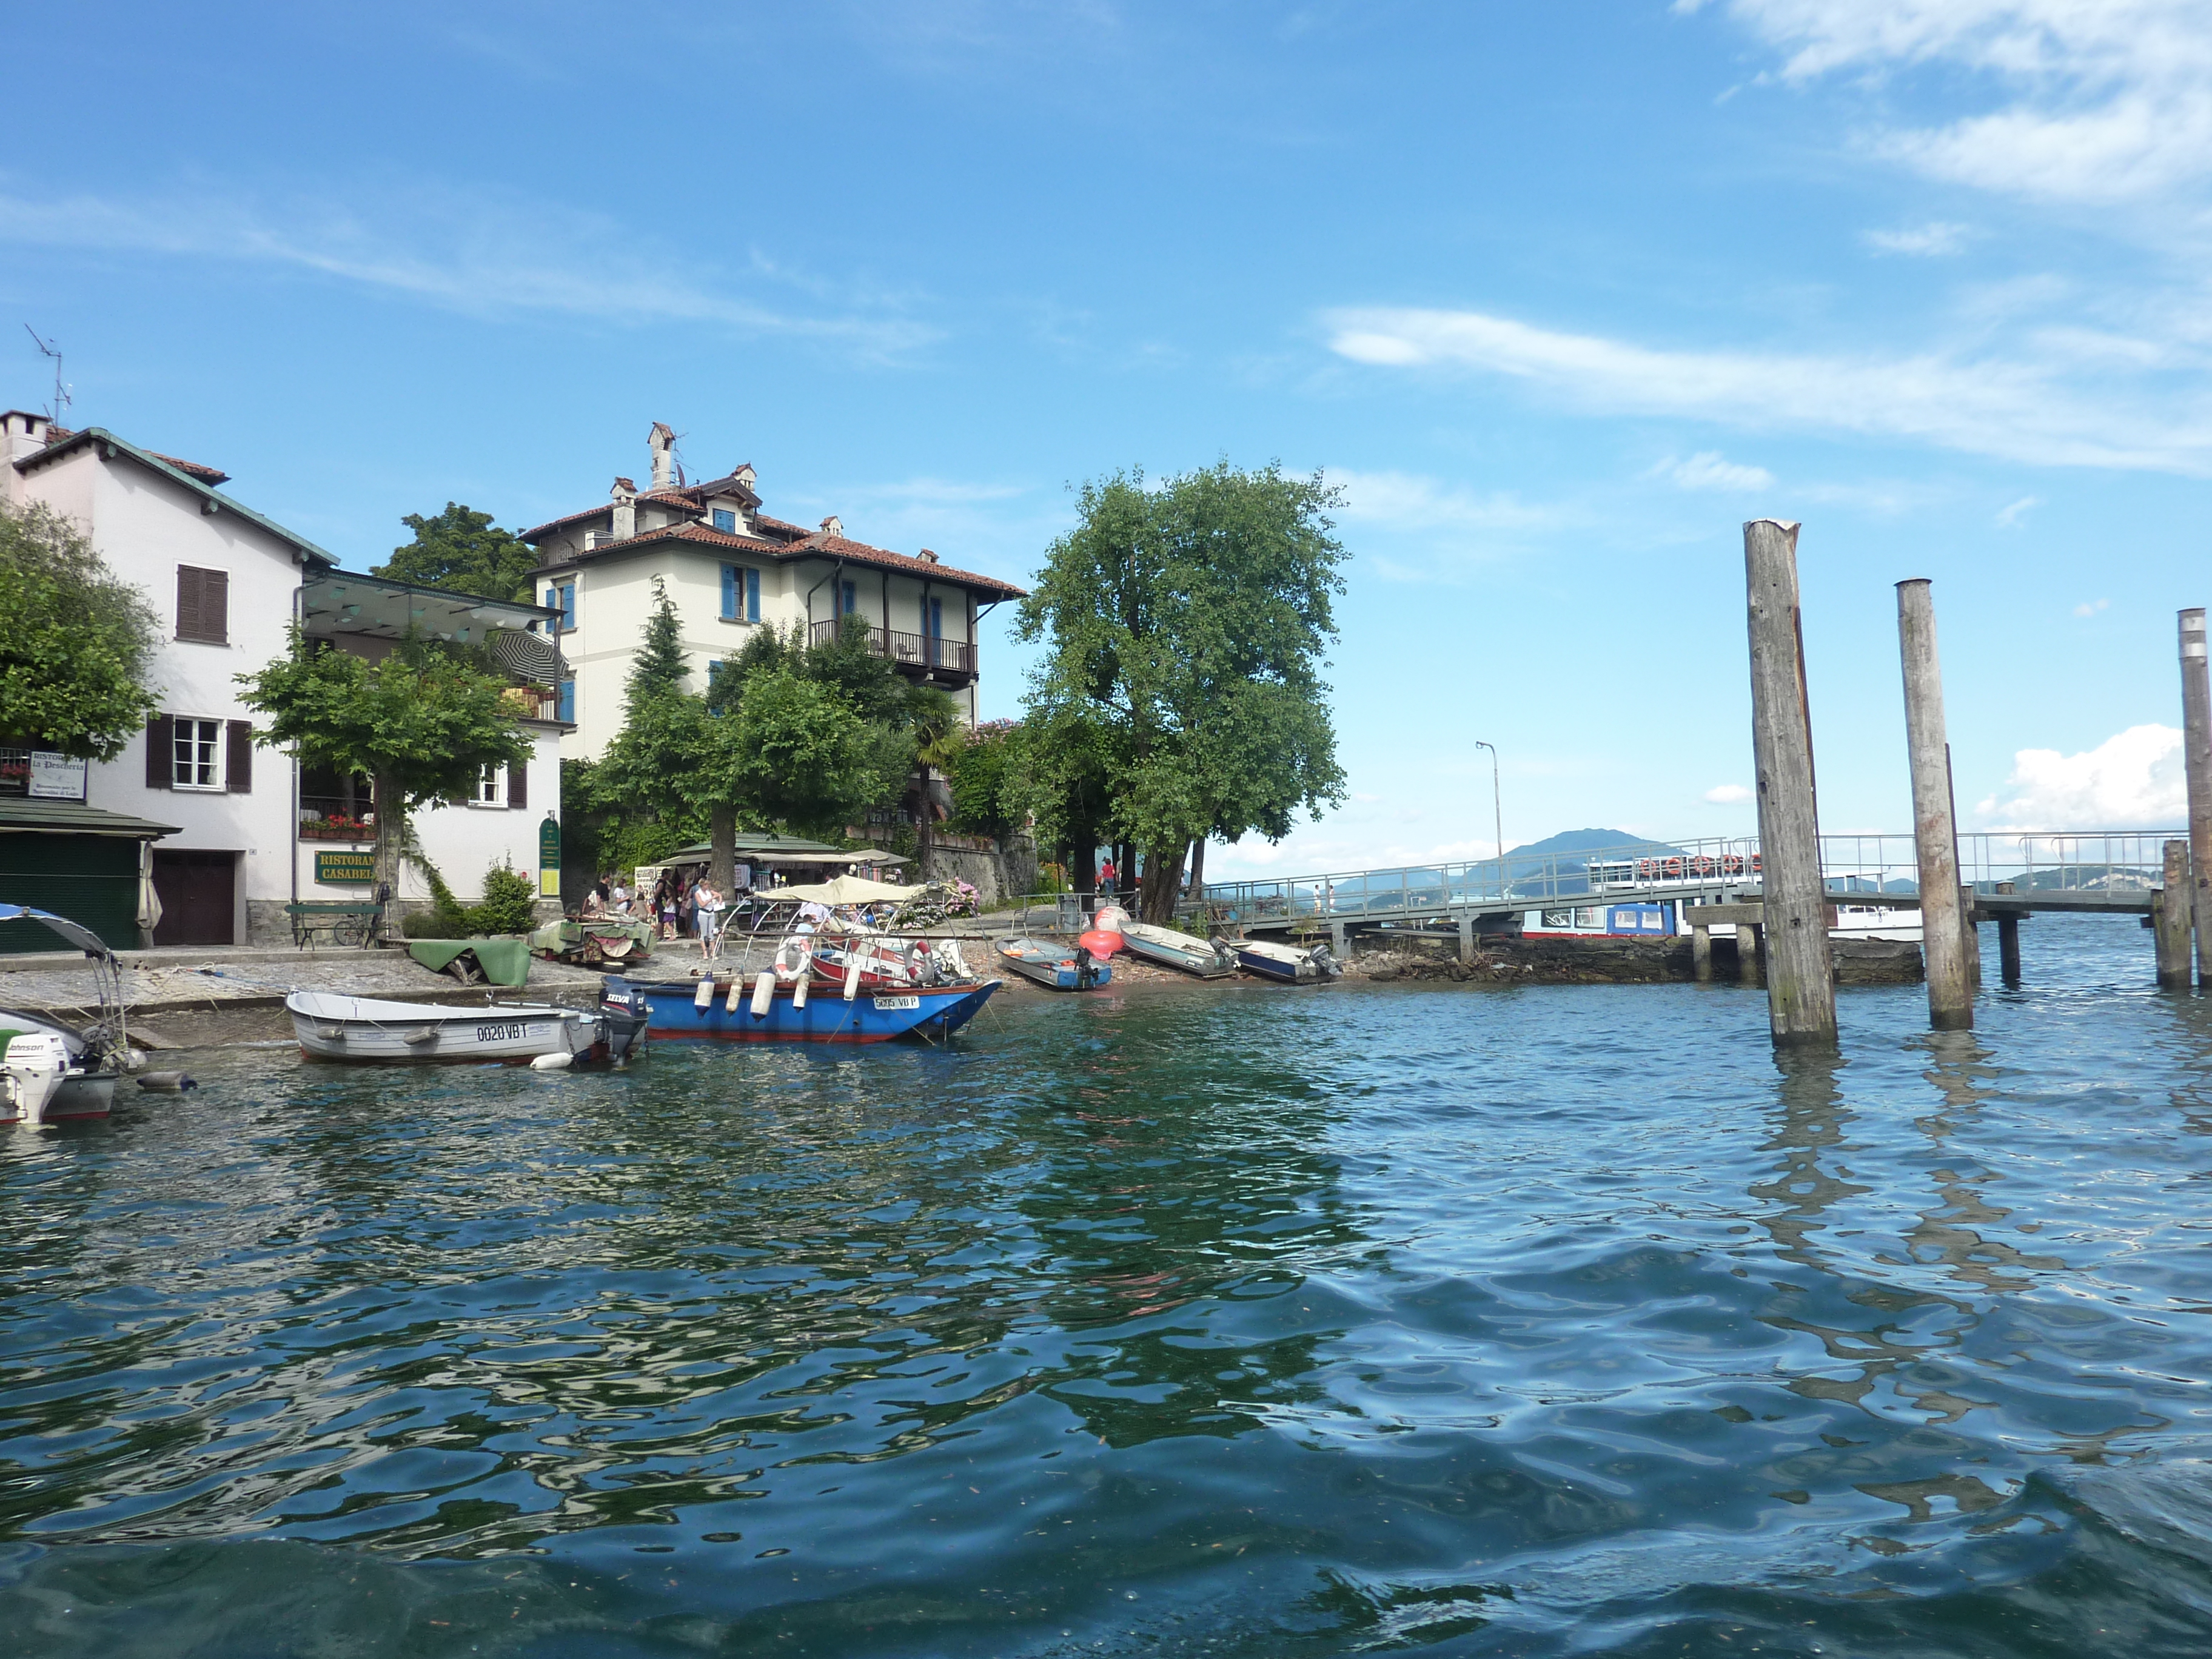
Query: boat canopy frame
[108,1040]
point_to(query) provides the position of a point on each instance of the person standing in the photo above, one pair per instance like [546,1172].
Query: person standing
[1106,878]
[710,916]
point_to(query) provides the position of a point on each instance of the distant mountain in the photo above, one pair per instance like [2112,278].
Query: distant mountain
[1589,840]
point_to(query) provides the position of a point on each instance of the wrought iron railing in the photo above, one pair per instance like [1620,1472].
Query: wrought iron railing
[911,650]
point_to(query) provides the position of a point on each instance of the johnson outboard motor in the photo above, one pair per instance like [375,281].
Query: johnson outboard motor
[623,1008]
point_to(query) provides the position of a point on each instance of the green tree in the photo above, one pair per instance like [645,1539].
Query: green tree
[990,779]
[463,549]
[932,720]
[1185,627]
[641,790]
[795,753]
[76,641]
[422,724]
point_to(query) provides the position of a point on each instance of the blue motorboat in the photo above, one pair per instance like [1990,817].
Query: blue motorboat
[1287,964]
[1055,967]
[800,1010]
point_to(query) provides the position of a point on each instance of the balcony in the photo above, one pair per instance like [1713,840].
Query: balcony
[944,658]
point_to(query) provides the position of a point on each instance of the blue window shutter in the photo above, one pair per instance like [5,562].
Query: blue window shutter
[726,521]
[565,707]
[752,596]
[729,592]
[567,607]
[851,602]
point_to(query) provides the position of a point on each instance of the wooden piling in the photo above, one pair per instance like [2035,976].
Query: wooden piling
[1800,977]
[2197,753]
[2170,910]
[2008,940]
[1934,827]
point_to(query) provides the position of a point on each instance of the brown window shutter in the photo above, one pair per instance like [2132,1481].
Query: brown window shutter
[160,752]
[518,784]
[238,765]
[188,603]
[215,605]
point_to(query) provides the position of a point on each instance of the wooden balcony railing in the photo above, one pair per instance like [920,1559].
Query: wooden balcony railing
[910,650]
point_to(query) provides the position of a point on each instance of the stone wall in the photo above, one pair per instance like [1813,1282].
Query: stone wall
[1600,960]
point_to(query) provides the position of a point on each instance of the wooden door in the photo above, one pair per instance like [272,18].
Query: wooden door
[199,897]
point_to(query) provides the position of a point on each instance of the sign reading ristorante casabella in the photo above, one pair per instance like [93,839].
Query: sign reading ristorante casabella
[345,869]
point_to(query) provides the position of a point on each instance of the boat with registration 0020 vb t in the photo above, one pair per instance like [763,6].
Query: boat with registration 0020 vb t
[794,1009]
[52,1072]
[1288,964]
[369,1031]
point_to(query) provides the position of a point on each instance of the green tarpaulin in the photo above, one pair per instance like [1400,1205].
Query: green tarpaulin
[504,961]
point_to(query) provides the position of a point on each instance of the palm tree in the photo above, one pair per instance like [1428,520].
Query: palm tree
[933,718]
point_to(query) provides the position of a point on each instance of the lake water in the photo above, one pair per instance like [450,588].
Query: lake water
[1222,1320]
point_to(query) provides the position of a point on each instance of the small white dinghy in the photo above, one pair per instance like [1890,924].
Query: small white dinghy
[365,1028]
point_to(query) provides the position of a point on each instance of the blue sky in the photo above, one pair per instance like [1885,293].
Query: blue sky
[1559,294]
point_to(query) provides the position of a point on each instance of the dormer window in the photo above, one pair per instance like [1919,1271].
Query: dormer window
[726,521]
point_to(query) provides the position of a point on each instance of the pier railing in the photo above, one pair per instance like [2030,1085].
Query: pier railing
[2102,860]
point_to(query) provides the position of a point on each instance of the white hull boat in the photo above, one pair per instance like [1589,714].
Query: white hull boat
[1207,958]
[88,1061]
[370,1030]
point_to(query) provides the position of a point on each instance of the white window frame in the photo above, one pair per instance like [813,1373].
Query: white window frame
[222,746]
[491,788]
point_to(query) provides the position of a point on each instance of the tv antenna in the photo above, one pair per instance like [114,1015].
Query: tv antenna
[62,398]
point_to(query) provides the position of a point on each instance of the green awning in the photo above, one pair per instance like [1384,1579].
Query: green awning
[69,818]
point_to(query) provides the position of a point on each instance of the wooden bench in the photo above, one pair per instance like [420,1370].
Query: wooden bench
[345,921]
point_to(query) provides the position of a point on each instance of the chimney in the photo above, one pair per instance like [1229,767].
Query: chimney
[662,442]
[745,474]
[625,500]
[926,557]
[833,526]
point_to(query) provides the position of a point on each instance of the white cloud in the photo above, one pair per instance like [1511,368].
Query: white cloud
[2106,99]
[1929,241]
[2091,607]
[2130,782]
[2013,517]
[2014,410]
[1404,501]
[1710,470]
[1727,794]
[481,256]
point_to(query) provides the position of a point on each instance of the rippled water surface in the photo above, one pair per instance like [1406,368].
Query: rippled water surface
[1233,1320]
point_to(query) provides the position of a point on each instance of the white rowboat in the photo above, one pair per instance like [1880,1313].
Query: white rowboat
[365,1028]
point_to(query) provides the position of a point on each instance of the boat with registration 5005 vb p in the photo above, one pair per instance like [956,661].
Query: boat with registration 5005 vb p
[796,1010]
[370,1030]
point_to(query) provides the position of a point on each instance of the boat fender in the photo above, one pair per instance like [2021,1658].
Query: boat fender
[704,994]
[168,1083]
[552,1062]
[134,1060]
[798,990]
[852,973]
[764,993]
[421,1037]
[737,993]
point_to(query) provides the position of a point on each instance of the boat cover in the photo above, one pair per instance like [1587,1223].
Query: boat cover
[504,961]
[83,937]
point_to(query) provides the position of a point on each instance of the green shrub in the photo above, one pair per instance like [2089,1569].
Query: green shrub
[510,903]
[421,924]
[446,918]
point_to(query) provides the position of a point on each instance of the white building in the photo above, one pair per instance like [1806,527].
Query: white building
[252,833]
[730,568]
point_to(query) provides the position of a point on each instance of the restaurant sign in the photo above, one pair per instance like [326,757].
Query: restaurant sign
[549,858]
[345,869]
[41,775]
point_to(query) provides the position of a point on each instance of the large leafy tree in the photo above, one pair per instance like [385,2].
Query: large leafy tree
[1186,626]
[422,724]
[76,641]
[463,549]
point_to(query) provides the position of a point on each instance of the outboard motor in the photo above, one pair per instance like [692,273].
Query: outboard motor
[623,1007]
[32,1072]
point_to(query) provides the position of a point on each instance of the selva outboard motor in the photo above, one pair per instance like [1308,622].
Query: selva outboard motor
[623,1007]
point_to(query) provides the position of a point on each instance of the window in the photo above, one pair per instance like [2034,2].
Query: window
[203,605]
[565,708]
[195,749]
[740,594]
[491,787]
[850,600]
[932,625]
[562,599]
[726,521]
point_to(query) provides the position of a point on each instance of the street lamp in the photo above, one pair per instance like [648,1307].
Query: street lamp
[1497,806]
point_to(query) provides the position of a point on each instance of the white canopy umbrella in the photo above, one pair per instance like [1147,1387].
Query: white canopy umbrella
[844,890]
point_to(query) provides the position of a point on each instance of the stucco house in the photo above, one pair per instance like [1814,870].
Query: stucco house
[248,830]
[730,568]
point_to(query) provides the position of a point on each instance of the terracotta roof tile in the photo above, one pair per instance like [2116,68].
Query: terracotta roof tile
[817,546]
